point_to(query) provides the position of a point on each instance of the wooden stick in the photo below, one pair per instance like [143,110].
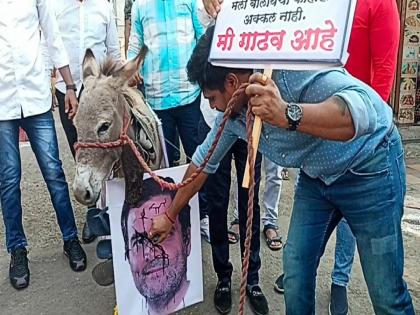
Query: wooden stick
[256,133]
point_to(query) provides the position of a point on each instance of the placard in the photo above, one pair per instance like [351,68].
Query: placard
[154,279]
[284,34]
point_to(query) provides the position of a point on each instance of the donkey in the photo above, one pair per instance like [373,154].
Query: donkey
[105,106]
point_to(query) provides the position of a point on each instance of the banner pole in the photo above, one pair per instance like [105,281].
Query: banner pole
[256,133]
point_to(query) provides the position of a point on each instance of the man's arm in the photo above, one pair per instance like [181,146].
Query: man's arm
[198,26]
[136,36]
[57,52]
[162,224]
[112,43]
[345,113]
[127,23]
[384,42]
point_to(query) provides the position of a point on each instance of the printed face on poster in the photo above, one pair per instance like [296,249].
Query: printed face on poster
[282,33]
[154,278]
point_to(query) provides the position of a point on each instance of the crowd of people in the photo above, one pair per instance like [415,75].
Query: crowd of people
[344,145]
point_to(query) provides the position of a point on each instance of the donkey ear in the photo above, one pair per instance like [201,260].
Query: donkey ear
[90,66]
[125,73]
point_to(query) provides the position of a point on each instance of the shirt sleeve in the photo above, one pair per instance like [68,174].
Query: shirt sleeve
[136,36]
[198,27]
[45,55]
[112,43]
[359,97]
[205,19]
[226,141]
[384,42]
[49,27]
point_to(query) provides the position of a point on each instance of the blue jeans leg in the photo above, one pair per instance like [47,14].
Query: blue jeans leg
[42,136]
[10,175]
[344,254]
[273,183]
[313,219]
[371,198]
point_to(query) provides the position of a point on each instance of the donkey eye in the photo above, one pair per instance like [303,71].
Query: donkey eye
[103,128]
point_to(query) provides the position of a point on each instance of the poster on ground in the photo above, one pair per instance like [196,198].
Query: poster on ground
[284,34]
[150,278]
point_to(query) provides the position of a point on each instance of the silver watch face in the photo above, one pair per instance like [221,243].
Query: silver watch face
[294,112]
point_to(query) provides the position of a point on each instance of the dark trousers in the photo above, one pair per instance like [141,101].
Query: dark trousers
[184,119]
[218,189]
[66,122]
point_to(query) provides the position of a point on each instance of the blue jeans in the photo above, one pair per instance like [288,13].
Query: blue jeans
[371,198]
[184,119]
[344,254]
[42,136]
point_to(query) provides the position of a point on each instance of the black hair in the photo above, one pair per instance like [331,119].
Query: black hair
[152,188]
[200,71]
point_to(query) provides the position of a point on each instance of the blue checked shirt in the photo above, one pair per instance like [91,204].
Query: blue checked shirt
[170,29]
[318,158]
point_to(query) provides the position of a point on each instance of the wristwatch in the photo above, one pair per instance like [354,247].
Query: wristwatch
[294,114]
[71,87]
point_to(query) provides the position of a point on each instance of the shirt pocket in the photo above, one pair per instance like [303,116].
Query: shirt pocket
[184,25]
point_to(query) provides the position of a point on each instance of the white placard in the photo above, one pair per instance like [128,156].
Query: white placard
[153,266]
[294,34]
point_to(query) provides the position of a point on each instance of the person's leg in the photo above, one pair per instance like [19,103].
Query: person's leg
[187,118]
[344,254]
[66,122]
[10,175]
[203,130]
[218,197]
[42,136]
[273,184]
[167,118]
[371,197]
[312,222]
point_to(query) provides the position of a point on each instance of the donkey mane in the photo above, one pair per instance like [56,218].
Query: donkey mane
[109,66]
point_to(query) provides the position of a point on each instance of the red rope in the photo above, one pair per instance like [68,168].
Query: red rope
[125,139]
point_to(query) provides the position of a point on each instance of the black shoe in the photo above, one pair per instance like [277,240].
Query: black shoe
[257,300]
[19,270]
[338,303]
[223,297]
[87,235]
[278,285]
[77,256]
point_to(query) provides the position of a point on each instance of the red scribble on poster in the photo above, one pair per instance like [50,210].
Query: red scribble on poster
[262,41]
[315,38]
[226,40]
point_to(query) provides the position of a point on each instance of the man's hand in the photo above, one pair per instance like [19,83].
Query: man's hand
[70,103]
[266,101]
[135,80]
[161,227]
[212,7]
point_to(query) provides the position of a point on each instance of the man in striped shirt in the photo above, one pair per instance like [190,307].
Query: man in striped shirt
[170,30]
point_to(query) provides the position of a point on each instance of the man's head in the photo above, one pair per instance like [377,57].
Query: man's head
[158,269]
[217,83]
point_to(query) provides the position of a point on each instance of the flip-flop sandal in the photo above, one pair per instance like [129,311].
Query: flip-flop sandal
[233,233]
[234,236]
[271,241]
[285,174]
[103,273]
[98,221]
[104,247]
